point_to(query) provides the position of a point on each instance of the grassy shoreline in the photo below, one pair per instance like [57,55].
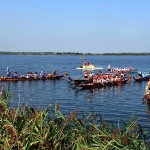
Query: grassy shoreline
[75,53]
[27,128]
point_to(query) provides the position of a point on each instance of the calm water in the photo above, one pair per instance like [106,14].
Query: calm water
[112,102]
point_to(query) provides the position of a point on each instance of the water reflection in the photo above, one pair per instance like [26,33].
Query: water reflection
[112,102]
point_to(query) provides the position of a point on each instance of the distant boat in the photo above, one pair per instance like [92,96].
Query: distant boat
[142,76]
[124,70]
[89,66]
[82,58]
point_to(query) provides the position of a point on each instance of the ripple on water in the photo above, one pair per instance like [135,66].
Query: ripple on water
[119,102]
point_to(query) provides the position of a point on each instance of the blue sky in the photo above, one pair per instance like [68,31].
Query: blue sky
[88,26]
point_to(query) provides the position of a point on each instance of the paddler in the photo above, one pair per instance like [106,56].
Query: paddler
[109,69]
[85,75]
[54,72]
[35,75]
[15,75]
[90,76]
[42,74]
[8,72]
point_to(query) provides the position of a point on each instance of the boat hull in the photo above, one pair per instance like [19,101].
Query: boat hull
[91,85]
[136,79]
[3,79]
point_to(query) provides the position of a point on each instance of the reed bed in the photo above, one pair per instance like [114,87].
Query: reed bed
[25,128]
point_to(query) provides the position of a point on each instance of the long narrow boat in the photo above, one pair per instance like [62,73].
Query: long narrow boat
[12,79]
[87,84]
[123,70]
[3,79]
[97,85]
[140,79]
[53,77]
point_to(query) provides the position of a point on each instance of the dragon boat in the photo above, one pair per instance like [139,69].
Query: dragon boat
[123,70]
[140,79]
[56,77]
[90,85]
[142,76]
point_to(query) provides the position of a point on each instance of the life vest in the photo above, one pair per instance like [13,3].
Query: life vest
[49,75]
[96,76]
[101,77]
[86,73]
[119,80]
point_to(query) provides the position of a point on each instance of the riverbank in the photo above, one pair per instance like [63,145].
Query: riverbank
[72,53]
[27,128]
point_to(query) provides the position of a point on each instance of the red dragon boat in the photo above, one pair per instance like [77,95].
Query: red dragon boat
[140,79]
[91,85]
[56,77]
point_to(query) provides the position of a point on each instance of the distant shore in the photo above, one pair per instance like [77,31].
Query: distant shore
[69,53]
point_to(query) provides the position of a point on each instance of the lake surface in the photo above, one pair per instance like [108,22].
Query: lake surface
[114,103]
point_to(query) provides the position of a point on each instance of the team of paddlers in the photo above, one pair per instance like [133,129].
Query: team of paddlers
[121,70]
[118,76]
[30,75]
[114,76]
[104,78]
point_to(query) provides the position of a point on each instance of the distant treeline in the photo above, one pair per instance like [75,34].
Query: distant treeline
[68,53]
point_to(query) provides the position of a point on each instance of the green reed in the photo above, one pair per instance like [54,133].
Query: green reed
[26,128]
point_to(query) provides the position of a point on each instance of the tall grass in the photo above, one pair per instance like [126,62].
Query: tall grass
[25,128]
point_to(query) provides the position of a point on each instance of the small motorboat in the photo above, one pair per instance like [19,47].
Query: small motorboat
[89,66]
[82,58]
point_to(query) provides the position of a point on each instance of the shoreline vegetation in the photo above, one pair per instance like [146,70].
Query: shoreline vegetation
[72,53]
[27,128]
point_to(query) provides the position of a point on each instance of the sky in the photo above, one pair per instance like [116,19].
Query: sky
[86,26]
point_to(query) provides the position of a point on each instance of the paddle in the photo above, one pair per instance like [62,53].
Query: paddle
[102,84]
[144,98]
[70,80]
[117,83]
[75,86]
